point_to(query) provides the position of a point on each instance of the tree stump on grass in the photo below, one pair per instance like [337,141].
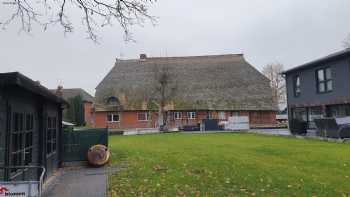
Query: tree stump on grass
[98,155]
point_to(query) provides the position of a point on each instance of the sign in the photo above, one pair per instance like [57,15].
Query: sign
[237,123]
[22,189]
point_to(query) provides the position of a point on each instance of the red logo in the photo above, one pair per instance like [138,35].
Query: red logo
[3,190]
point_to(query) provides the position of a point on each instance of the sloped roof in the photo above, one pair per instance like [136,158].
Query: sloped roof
[217,82]
[18,79]
[331,57]
[73,92]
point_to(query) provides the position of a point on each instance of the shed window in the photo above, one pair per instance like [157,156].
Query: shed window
[113,117]
[143,116]
[324,80]
[178,115]
[51,137]
[22,139]
[191,115]
[296,86]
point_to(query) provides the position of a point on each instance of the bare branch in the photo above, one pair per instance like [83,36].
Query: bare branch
[277,83]
[94,14]
[163,91]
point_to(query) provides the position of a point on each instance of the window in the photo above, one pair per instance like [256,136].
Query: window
[296,86]
[235,113]
[22,139]
[51,137]
[209,115]
[222,115]
[314,113]
[113,117]
[178,115]
[299,114]
[324,80]
[191,115]
[338,111]
[143,116]
[114,101]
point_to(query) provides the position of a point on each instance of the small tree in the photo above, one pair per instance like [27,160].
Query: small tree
[75,112]
[93,13]
[277,82]
[164,89]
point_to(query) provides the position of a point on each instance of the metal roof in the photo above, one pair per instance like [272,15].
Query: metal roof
[17,79]
[327,58]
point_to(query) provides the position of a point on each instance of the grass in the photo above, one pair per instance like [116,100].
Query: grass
[228,165]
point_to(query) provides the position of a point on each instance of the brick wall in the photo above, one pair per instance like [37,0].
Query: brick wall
[262,117]
[129,119]
[88,113]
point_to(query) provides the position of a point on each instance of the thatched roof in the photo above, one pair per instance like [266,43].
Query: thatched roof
[219,82]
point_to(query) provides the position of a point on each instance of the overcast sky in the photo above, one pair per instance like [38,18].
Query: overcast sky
[288,31]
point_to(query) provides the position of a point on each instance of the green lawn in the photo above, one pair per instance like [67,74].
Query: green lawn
[228,165]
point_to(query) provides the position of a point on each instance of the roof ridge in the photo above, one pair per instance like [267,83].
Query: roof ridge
[186,57]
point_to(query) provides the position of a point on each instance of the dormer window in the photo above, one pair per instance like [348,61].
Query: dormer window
[113,101]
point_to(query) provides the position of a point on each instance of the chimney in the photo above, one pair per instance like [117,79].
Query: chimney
[143,56]
[59,91]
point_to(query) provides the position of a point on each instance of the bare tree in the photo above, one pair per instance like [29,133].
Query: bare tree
[94,14]
[347,42]
[164,90]
[277,82]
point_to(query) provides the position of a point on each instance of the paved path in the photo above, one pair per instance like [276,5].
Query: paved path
[77,182]
[272,131]
[263,131]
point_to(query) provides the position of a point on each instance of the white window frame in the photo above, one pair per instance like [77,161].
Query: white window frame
[296,86]
[177,115]
[112,116]
[210,115]
[147,115]
[191,115]
[222,115]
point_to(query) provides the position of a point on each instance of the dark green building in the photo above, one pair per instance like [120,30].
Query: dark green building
[30,127]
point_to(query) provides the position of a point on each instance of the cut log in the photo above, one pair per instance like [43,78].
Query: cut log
[98,155]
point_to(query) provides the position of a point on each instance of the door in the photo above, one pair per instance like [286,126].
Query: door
[51,143]
[23,145]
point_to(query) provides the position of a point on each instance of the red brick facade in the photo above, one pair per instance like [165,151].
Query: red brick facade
[88,114]
[129,119]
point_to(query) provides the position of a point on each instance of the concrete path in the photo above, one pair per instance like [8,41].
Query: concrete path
[77,182]
[272,131]
[263,131]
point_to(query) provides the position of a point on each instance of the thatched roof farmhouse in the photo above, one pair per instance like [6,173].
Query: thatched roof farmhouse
[197,83]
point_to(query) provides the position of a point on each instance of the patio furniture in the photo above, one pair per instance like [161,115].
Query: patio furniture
[333,128]
[191,128]
[298,127]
